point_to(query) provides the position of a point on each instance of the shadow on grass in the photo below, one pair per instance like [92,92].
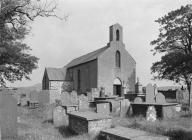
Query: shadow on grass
[66,132]
[179,134]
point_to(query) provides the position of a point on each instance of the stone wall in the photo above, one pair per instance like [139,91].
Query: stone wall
[97,125]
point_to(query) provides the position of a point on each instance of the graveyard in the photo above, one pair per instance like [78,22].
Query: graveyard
[86,117]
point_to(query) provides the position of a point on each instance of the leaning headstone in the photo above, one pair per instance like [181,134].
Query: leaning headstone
[8,116]
[83,103]
[150,97]
[124,107]
[151,114]
[103,108]
[138,100]
[160,98]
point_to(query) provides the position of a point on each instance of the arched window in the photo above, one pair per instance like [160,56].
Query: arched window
[118,59]
[117,35]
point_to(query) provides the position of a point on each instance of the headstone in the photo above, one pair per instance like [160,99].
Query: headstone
[150,97]
[160,98]
[83,103]
[59,116]
[49,112]
[74,97]
[138,100]
[151,114]
[8,116]
[103,108]
[124,107]
[95,92]
[179,96]
[90,97]
[65,98]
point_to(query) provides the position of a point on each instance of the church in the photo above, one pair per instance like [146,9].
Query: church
[110,67]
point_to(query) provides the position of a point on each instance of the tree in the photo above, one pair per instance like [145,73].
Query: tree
[16,62]
[174,42]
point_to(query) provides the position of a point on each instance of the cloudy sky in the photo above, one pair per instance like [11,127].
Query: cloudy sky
[56,42]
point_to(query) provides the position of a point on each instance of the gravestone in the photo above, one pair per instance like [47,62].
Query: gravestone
[8,116]
[160,98]
[90,96]
[59,116]
[83,103]
[150,97]
[124,107]
[74,97]
[49,112]
[95,92]
[179,96]
[103,108]
[65,98]
[151,114]
[138,100]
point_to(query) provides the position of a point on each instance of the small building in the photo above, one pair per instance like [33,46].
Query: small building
[111,67]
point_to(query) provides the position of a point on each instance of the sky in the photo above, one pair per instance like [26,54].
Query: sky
[56,42]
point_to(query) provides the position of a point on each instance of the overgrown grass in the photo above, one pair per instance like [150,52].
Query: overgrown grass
[176,129]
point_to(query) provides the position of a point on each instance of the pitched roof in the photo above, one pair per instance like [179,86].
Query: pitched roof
[56,74]
[86,58]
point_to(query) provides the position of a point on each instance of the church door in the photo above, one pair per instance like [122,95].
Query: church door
[117,87]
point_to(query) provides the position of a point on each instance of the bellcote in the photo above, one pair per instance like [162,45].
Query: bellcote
[116,33]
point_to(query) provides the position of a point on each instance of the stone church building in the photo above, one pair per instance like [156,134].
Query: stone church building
[111,67]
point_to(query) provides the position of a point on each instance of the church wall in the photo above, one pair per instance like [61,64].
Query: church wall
[88,74]
[107,71]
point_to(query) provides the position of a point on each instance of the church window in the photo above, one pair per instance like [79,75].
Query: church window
[118,59]
[117,35]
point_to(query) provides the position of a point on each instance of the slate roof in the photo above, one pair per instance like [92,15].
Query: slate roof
[87,57]
[56,74]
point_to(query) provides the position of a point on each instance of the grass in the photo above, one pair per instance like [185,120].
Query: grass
[177,129]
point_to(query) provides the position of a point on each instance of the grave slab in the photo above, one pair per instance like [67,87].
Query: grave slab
[123,133]
[88,122]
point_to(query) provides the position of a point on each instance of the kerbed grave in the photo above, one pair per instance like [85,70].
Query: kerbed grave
[88,122]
